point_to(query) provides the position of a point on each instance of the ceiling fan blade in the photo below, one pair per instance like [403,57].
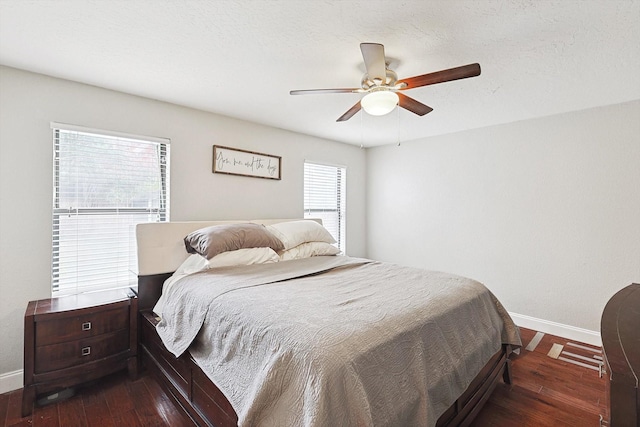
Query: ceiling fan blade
[412,105]
[321,91]
[456,73]
[353,110]
[374,60]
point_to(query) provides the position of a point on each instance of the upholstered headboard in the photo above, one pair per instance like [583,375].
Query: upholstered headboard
[161,245]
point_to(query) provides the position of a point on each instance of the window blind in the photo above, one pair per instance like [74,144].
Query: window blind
[103,186]
[324,197]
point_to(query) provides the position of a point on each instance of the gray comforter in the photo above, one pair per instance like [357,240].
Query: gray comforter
[336,341]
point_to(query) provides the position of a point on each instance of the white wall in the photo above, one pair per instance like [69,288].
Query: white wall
[29,102]
[545,212]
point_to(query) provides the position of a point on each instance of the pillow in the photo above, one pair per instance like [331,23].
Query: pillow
[193,264]
[214,240]
[309,249]
[295,233]
[244,257]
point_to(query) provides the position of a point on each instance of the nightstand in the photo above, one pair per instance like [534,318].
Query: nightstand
[74,339]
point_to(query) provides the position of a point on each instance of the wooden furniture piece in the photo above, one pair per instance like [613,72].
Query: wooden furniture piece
[620,329]
[74,339]
[206,405]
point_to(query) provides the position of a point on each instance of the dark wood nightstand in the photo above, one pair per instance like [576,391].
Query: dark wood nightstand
[74,339]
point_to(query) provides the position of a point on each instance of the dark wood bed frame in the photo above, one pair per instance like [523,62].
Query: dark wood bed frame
[205,404]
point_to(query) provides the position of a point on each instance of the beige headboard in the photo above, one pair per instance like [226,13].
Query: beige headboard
[161,245]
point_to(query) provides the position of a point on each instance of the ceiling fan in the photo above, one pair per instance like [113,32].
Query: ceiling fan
[382,86]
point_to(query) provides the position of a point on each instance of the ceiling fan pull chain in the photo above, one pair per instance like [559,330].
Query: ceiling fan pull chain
[398,122]
[361,130]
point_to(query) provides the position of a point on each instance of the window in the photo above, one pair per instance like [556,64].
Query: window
[324,197]
[103,185]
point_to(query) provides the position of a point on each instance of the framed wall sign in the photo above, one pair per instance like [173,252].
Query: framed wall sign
[233,161]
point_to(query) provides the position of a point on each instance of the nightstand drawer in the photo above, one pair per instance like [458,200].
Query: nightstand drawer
[59,356]
[83,326]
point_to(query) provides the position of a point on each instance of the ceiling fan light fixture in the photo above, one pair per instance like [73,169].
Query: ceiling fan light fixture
[379,103]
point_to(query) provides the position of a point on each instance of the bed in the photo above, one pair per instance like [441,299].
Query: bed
[315,340]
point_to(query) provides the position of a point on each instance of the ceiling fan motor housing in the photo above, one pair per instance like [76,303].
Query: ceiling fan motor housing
[391,79]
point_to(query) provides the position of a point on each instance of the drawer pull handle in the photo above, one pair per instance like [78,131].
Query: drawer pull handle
[86,351]
[86,326]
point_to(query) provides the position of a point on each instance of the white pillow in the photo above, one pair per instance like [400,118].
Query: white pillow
[193,264]
[294,233]
[309,249]
[246,256]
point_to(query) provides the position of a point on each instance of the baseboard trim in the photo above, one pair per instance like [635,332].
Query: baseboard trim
[10,381]
[566,331]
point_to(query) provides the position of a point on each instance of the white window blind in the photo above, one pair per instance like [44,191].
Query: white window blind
[104,185]
[324,197]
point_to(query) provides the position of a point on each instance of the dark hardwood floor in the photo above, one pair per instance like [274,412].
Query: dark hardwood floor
[545,392]
[113,401]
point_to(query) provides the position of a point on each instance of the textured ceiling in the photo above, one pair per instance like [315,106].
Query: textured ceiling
[241,58]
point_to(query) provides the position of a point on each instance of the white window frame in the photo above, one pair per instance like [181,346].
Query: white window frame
[125,274]
[333,188]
